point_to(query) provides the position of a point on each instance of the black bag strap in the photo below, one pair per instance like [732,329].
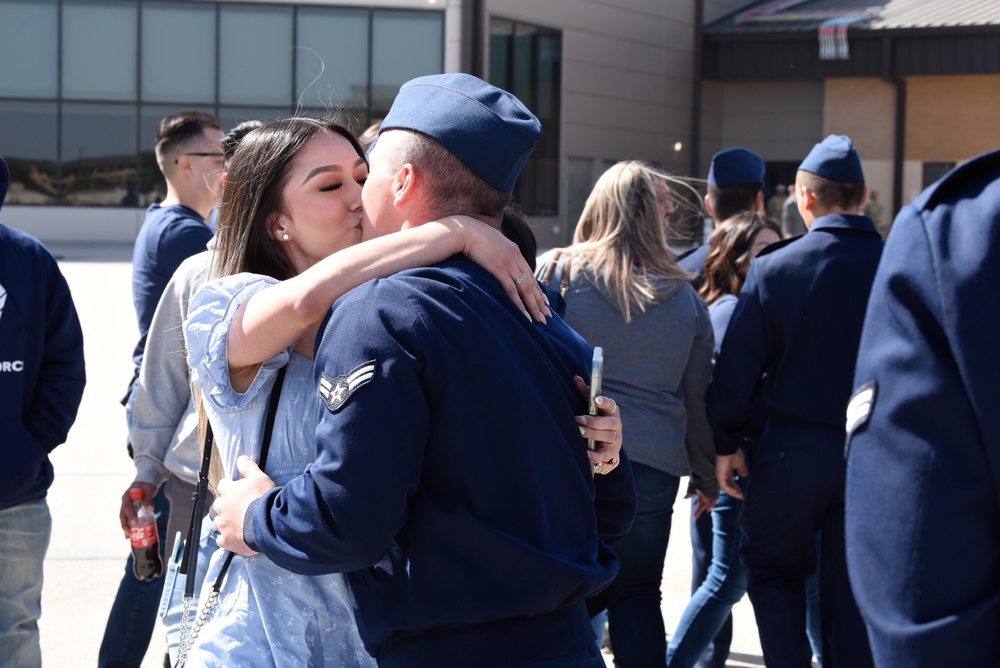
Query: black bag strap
[191,546]
[190,550]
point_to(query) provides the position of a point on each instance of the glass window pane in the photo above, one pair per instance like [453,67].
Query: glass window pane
[28,37]
[233,116]
[28,139]
[523,75]
[549,70]
[98,153]
[407,45]
[331,58]
[99,50]
[501,34]
[255,65]
[178,52]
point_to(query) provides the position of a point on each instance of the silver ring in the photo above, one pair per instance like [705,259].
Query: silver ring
[519,279]
[614,440]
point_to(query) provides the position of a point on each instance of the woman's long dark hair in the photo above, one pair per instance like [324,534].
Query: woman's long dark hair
[729,255]
[252,196]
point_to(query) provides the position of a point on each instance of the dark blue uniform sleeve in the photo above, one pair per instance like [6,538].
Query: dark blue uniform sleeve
[345,511]
[739,368]
[61,377]
[922,517]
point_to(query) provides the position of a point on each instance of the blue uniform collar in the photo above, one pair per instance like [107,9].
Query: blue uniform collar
[844,221]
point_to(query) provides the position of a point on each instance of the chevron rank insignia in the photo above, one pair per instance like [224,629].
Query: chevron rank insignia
[336,391]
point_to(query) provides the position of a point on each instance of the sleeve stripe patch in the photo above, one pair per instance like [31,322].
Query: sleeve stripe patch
[336,391]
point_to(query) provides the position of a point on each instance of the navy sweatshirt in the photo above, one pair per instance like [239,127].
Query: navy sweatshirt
[41,363]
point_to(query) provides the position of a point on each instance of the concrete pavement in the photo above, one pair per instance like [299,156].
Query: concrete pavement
[86,557]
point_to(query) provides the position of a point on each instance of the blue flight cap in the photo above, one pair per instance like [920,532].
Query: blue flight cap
[485,127]
[4,180]
[733,166]
[834,159]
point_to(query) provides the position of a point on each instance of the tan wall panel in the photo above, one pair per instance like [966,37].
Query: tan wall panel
[780,121]
[950,119]
[865,111]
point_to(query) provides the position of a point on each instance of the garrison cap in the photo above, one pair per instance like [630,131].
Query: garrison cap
[835,159]
[487,128]
[733,166]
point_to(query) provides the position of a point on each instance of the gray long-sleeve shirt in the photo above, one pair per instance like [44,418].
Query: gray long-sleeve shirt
[164,421]
[657,367]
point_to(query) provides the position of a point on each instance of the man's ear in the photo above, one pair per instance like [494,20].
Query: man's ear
[805,197]
[864,198]
[758,202]
[404,185]
[708,209]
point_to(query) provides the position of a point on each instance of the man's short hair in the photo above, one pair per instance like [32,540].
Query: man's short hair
[232,139]
[731,200]
[178,130]
[832,195]
[452,186]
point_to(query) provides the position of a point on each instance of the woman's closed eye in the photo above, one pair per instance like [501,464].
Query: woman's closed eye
[331,186]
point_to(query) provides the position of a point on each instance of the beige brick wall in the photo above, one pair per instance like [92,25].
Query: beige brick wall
[950,119]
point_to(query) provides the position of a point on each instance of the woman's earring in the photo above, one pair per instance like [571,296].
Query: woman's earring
[284,237]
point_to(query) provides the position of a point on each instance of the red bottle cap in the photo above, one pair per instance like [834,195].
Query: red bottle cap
[136,493]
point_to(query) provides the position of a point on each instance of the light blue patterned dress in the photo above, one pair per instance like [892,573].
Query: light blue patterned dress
[266,615]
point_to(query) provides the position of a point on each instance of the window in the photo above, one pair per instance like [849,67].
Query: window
[331,58]
[28,139]
[86,82]
[410,44]
[99,40]
[527,61]
[28,35]
[256,55]
[98,154]
[172,74]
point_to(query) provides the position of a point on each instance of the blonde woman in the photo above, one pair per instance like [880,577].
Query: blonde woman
[624,292]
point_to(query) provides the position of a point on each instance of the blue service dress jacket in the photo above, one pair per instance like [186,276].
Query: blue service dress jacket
[794,335]
[452,481]
[923,468]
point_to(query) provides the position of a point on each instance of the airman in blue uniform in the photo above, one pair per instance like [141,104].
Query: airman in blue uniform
[735,185]
[792,344]
[457,553]
[923,466]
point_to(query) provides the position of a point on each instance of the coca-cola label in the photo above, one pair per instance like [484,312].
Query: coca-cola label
[142,535]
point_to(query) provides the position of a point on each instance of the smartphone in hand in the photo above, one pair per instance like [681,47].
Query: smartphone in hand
[596,379]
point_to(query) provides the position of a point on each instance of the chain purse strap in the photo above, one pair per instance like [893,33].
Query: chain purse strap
[189,564]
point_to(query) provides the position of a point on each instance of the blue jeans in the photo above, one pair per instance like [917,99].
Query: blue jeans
[25,531]
[133,614]
[723,587]
[635,622]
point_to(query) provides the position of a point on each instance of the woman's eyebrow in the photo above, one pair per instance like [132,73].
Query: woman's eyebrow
[321,169]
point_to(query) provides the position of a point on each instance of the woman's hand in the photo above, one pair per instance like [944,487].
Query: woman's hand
[605,429]
[487,247]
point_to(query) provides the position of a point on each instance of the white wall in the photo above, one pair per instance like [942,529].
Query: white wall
[76,224]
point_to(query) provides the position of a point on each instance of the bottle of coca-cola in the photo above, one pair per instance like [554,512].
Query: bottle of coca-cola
[146,562]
